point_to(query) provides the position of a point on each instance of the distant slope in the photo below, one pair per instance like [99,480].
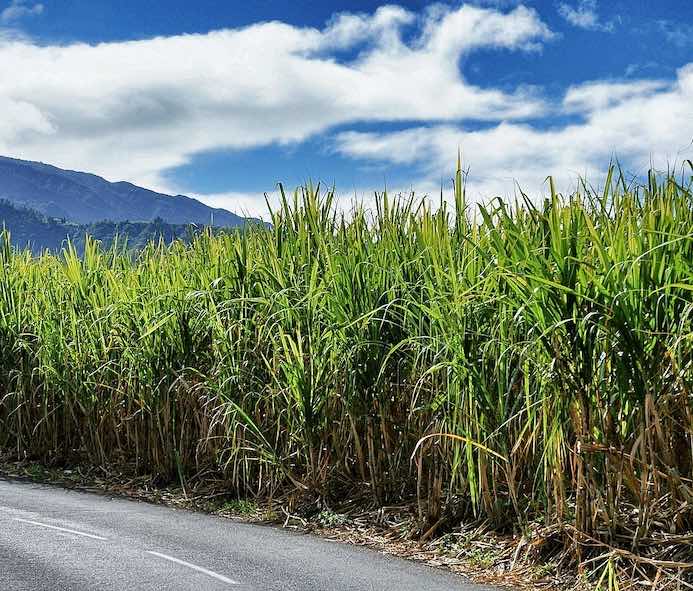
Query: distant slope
[84,198]
[31,229]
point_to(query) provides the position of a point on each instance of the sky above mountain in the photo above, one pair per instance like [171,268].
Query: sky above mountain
[222,100]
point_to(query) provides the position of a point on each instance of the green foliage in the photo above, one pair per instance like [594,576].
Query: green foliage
[33,230]
[550,346]
[242,507]
[327,518]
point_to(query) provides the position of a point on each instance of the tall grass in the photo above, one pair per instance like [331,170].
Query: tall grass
[531,362]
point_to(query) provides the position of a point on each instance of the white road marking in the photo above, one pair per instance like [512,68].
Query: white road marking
[69,531]
[209,573]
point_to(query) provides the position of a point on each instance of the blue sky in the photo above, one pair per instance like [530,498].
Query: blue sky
[222,100]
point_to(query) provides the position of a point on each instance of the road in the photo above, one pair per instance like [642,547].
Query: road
[53,539]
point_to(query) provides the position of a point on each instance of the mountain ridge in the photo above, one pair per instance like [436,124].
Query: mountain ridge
[30,229]
[85,198]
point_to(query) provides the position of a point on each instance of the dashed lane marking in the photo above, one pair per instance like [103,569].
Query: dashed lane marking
[63,529]
[199,569]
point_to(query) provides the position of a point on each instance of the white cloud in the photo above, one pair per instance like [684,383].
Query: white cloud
[383,27]
[584,15]
[649,123]
[244,204]
[132,110]
[593,96]
[19,9]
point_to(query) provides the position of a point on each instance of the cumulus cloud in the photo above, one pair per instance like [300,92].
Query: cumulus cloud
[383,28]
[593,96]
[132,110]
[584,15]
[245,204]
[19,9]
[647,123]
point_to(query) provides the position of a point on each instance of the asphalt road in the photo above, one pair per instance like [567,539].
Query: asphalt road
[53,539]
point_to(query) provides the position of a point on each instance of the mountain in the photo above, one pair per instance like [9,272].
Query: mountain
[85,198]
[31,229]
